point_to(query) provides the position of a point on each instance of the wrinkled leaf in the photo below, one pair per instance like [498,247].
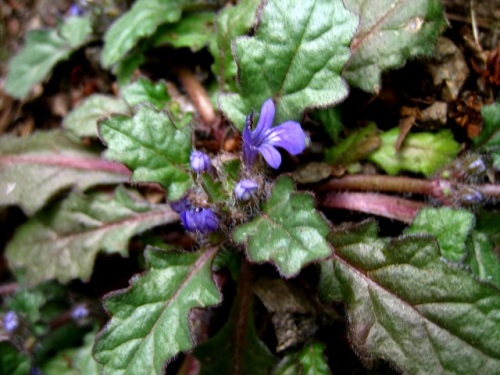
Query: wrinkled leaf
[309,361]
[489,138]
[140,21]
[422,153]
[411,309]
[450,227]
[43,50]
[391,32]
[295,58]
[482,260]
[194,30]
[152,146]
[232,21]
[35,168]
[290,232]
[143,90]
[82,121]
[62,242]
[13,361]
[160,300]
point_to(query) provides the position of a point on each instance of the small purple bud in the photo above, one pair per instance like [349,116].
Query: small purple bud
[75,10]
[80,312]
[180,205]
[199,161]
[244,189]
[201,220]
[10,321]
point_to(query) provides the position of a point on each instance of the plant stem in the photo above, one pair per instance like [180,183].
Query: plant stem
[10,288]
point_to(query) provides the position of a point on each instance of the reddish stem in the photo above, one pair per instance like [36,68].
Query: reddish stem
[198,96]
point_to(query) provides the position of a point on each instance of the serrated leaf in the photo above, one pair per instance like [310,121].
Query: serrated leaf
[411,309]
[194,31]
[236,348]
[43,50]
[82,121]
[160,300]
[309,361]
[140,21]
[62,241]
[143,90]
[232,21]
[451,227]
[35,168]
[391,32]
[290,232]
[295,58]
[489,138]
[13,361]
[422,153]
[482,259]
[152,146]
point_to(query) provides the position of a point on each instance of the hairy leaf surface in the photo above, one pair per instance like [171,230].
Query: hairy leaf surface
[35,168]
[62,242]
[308,361]
[295,58]
[391,32]
[143,90]
[290,232]
[152,146]
[483,260]
[160,300]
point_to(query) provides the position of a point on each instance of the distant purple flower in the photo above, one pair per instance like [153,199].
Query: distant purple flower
[244,189]
[75,10]
[80,312]
[10,321]
[201,220]
[199,161]
[264,139]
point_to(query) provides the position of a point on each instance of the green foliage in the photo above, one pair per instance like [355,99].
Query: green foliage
[160,300]
[295,58]
[194,30]
[143,90]
[155,148]
[140,21]
[62,241]
[482,260]
[43,50]
[408,307]
[450,227]
[82,121]
[420,152]
[232,21]
[489,138]
[290,233]
[308,361]
[391,32]
[13,361]
[331,119]
[52,163]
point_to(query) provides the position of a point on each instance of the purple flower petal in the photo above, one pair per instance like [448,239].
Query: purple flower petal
[249,151]
[266,118]
[271,155]
[289,136]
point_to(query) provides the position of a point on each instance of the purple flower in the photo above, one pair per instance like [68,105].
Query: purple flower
[80,312]
[244,189]
[180,205]
[10,321]
[199,161]
[201,220]
[264,139]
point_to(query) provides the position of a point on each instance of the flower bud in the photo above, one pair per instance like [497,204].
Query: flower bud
[244,189]
[10,321]
[80,312]
[201,220]
[199,161]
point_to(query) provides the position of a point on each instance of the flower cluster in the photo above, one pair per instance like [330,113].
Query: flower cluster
[196,219]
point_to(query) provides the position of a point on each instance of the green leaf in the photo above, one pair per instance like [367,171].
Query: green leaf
[295,58]
[232,21]
[82,121]
[420,153]
[125,68]
[160,300]
[450,227]
[43,50]
[194,30]
[482,260]
[62,242]
[13,361]
[489,138]
[140,21]
[309,361]
[152,146]
[50,163]
[489,222]
[143,90]
[391,32]
[407,306]
[214,189]
[355,147]
[290,232]
[331,119]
